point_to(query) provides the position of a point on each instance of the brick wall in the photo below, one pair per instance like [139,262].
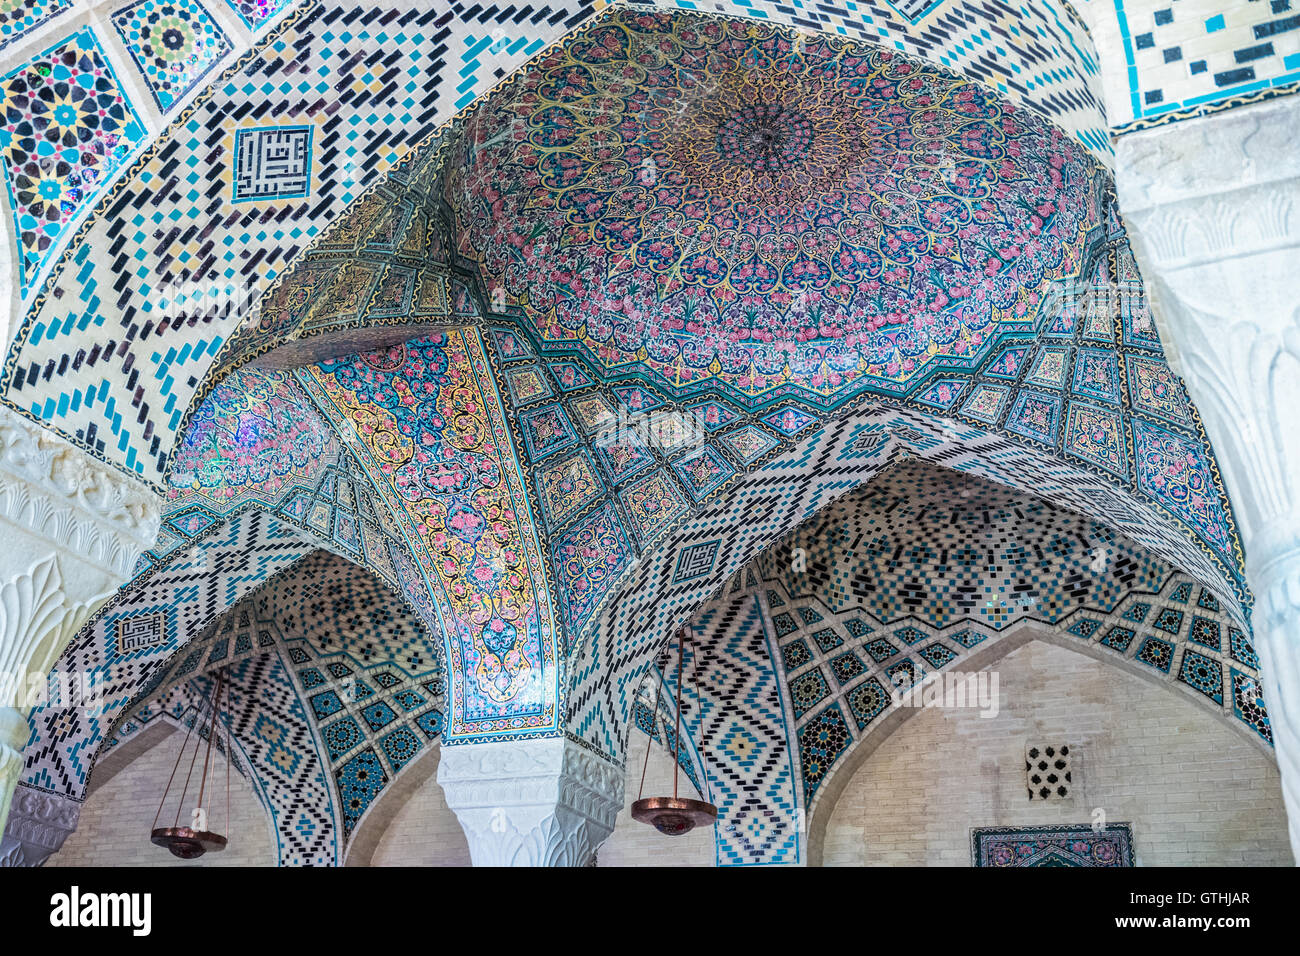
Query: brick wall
[119,812]
[1194,789]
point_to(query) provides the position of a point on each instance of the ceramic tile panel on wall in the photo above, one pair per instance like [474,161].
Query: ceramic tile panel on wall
[132,637]
[734,713]
[18,17]
[366,686]
[441,455]
[1082,846]
[275,743]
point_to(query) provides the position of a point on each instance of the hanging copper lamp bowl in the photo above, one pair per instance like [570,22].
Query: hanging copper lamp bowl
[186,843]
[673,816]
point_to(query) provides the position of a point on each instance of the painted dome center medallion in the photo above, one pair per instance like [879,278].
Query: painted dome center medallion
[766,138]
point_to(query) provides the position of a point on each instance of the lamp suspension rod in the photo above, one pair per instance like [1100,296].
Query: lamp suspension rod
[179,754]
[699,723]
[677,741]
[212,732]
[228,757]
[190,773]
[650,740]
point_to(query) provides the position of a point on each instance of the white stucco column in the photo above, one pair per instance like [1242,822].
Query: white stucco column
[1213,209]
[539,802]
[71,530]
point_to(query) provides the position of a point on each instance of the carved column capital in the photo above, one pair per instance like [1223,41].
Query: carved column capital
[1213,209]
[38,824]
[534,802]
[54,492]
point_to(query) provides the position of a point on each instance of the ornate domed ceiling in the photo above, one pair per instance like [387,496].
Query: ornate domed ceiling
[251,440]
[749,229]
[733,208]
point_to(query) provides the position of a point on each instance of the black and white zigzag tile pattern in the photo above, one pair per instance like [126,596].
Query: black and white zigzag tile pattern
[841,667]
[362,666]
[137,632]
[905,576]
[370,82]
[733,713]
[274,740]
[901,579]
[271,722]
[653,602]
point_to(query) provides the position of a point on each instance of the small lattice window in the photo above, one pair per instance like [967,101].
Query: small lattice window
[1048,770]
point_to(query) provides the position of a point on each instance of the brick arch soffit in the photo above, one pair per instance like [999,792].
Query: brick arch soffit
[890,434]
[249,532]
[181,700]
[221,630]
[296,538]
[860,752]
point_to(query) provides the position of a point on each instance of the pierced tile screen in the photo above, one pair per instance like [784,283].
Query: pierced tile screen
[1047,767]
